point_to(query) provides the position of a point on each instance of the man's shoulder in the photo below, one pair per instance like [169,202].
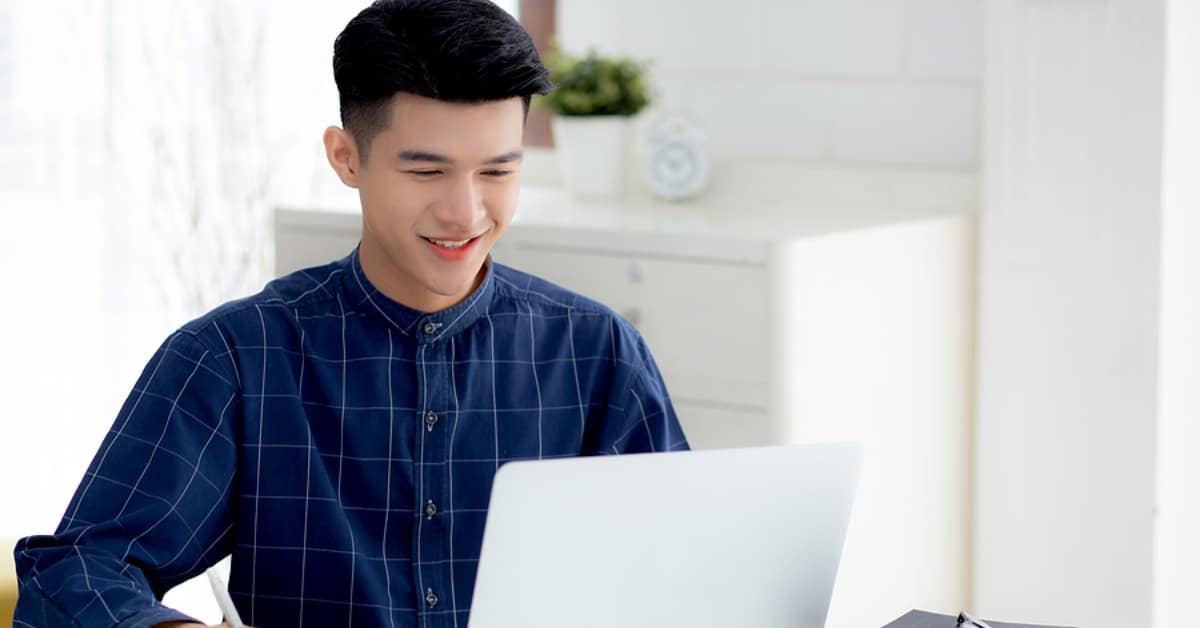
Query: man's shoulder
[520,293]
[280,299]
[591,323]
[521,290]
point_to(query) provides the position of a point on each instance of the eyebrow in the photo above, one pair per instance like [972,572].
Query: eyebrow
[509,157]
[420,155]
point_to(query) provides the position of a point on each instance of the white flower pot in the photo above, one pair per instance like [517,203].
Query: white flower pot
[593,154]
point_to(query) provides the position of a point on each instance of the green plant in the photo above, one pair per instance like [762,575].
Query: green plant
[595,86]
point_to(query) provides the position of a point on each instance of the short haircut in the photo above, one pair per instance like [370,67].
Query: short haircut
[463,51]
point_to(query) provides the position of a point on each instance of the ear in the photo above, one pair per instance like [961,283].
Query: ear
[342,153]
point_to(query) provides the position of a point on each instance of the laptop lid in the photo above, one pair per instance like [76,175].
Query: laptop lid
[717,538]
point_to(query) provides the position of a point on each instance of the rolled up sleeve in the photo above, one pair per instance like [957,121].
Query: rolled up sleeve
[154,507]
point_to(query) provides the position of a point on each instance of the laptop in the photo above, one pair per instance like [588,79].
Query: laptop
[704,539]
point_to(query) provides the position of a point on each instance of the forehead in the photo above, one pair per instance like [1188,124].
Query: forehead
[460,130]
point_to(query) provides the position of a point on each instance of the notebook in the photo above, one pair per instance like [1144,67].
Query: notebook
[924,619]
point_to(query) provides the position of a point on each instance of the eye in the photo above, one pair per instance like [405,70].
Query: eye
[425,174]
[497,173]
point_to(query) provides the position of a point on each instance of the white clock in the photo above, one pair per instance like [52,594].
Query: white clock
[677,160]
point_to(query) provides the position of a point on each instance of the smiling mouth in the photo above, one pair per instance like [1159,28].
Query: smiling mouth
[452,244]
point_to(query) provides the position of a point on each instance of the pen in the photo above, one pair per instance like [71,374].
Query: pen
[223,600]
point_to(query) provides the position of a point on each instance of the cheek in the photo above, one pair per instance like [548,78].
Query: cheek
[502,202]
[391,204]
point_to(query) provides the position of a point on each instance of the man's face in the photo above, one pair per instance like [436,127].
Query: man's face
[438,190]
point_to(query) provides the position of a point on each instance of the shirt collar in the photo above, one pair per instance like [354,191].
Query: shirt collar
[425,327]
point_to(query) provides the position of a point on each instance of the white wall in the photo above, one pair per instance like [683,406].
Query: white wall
[1088,271]
[1177,549]
[893,82]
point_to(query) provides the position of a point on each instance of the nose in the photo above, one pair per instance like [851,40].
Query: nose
[462,206]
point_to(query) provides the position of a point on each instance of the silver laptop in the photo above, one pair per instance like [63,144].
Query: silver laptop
[718,538]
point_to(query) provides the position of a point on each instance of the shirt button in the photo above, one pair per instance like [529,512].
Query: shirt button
[431,328]
[431,598]
[431,419]
[430,509]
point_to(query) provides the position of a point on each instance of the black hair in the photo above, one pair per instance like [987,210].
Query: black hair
[467,51]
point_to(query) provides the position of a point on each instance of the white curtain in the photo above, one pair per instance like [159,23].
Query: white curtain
[53,183]
[143,146]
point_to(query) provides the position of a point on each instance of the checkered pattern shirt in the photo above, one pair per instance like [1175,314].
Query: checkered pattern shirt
[341,447]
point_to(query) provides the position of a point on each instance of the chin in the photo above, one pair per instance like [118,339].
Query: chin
[458,286]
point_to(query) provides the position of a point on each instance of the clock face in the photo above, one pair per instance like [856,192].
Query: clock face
[677,168]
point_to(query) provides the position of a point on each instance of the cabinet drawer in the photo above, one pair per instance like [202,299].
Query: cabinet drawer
[705,322]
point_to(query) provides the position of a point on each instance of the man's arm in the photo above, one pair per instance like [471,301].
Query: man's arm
[154,507]
[645,420]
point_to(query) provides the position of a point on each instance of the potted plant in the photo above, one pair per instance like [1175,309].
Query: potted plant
[593,102]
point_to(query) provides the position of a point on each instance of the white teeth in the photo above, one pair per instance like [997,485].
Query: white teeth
[448,244]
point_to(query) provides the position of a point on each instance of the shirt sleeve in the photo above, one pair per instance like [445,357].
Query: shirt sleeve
[645,420]
[154,507]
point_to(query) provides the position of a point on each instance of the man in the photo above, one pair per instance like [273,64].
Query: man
[338,432]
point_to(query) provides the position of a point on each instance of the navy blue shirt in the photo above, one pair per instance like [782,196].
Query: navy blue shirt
[341,447]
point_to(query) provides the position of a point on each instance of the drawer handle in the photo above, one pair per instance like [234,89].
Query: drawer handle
[635,272]
[633,315]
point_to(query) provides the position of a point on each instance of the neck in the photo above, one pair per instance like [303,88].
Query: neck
[397,282]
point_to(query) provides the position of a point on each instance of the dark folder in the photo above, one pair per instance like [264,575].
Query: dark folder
[922,619]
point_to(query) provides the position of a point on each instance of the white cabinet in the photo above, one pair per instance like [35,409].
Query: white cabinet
[842,317]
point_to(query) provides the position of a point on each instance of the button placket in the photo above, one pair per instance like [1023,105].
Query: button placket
[432,523]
